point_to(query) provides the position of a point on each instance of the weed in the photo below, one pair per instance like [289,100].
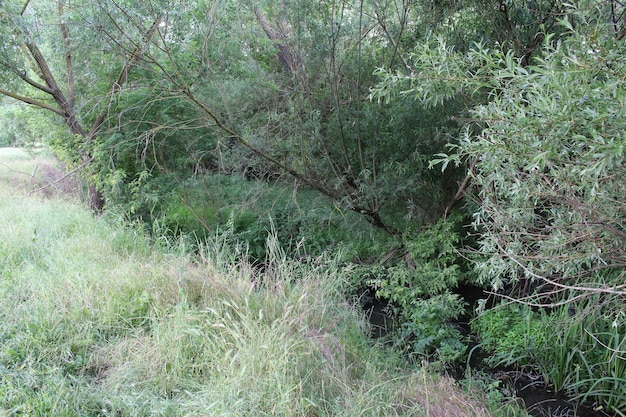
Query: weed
[100,320]
[582,355]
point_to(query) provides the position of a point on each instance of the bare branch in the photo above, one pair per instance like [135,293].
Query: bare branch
[31,101]
[396,46]
[64,176]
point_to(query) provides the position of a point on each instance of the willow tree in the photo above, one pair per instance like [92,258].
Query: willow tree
[543,147]
[279,86]
[276,86]
[50,59]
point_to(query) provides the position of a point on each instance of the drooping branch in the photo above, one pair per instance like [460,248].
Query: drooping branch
[372,215]
[244,142]
[559,287]
[122,78]
[31,101]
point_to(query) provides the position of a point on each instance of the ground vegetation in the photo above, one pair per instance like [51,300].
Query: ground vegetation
[433,147]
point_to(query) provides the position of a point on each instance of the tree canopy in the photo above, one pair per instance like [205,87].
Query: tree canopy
[482,139]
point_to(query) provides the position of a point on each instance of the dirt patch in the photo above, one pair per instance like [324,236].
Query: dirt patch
[24,173]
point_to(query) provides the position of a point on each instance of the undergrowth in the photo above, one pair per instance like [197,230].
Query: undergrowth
[99,320]
[577,350]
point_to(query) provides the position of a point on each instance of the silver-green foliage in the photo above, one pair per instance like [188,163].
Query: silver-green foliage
[548,156]
[549,164]
[545,152]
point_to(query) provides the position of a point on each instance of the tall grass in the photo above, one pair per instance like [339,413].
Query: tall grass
[97,321]
[580,352]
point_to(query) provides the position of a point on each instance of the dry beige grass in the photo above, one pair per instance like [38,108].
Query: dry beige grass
[23,173]
[440,397]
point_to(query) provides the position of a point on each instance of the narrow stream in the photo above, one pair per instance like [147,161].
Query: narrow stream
[539,399]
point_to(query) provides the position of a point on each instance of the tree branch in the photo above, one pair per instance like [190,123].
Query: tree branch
[288,59]
[24,7]
[30,81]
[31,101]
[64,176]
[122,78]
[396,45]
[461,191]
[65,36]
[46,74]
[615,290]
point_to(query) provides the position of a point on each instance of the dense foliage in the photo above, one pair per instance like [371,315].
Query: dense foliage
[326,122]
[547,166]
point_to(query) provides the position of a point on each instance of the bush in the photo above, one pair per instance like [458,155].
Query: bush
[422,287]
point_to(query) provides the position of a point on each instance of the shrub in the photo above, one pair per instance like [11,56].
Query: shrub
[421,289]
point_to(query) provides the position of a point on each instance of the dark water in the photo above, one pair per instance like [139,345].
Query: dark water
[540,400]
[380,318]
[538,397]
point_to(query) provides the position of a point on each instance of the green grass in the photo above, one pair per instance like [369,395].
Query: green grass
[97,321]
[251,208]
[582,355]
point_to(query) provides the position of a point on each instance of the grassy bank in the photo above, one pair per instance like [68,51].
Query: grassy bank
[97,320]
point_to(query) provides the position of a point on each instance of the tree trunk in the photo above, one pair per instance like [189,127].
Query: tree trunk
[95,199]
[286,56]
